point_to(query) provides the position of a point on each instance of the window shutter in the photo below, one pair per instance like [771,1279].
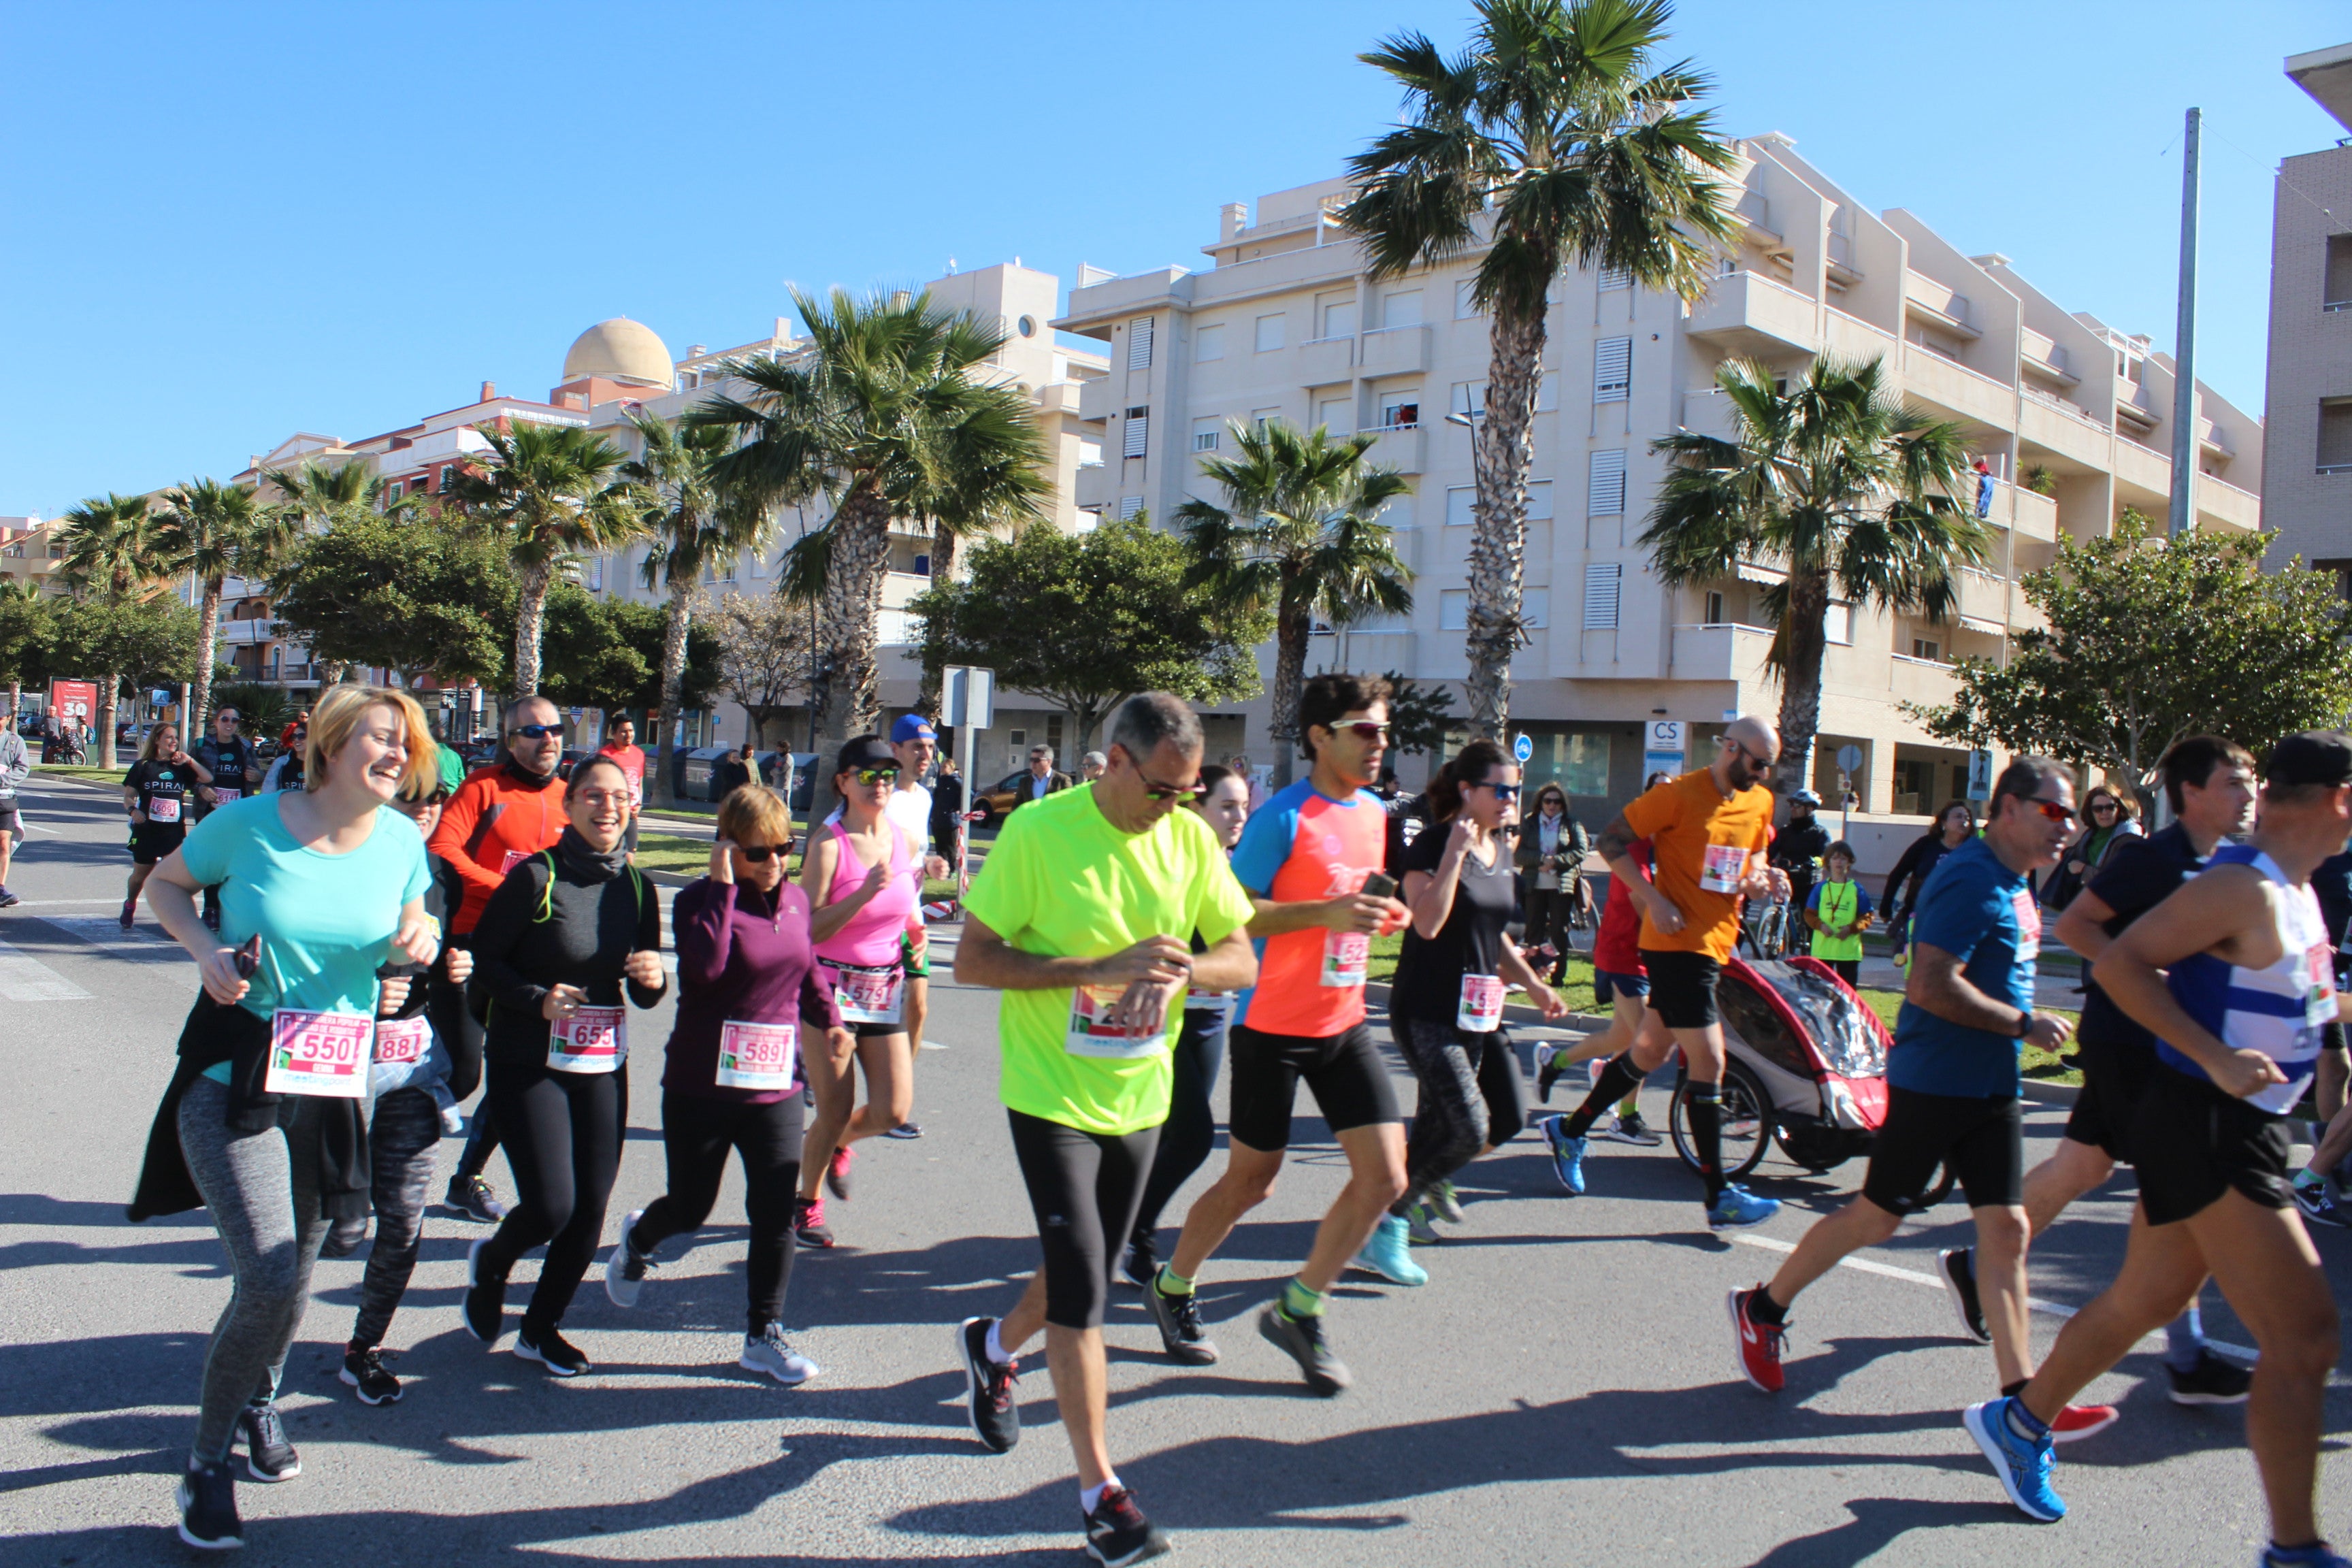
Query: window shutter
[1602,581]
[1616,278]
[1613,369]
[1139,431]
[1604,495]
[1128,506]
[1138,343]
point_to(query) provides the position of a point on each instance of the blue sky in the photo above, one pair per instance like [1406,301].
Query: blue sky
[223,223]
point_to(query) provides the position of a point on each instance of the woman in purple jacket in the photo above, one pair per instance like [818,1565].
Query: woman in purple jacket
[747,1006]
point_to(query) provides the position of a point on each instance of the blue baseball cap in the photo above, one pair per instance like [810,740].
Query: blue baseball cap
[912,727]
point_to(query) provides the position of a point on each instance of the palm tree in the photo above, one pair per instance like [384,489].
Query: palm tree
[695,522]
[1298,540]
[109,544]
[315,498]
[1839,483]
[1552,142]
[549,492]
[883,413]
[205,529]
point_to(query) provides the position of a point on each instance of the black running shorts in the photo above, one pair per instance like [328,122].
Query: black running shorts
[2197,1143]
[151,841]
[1343,1071]
[2114,1080]
[1984,1140]
[1083,1188]
[1681,988]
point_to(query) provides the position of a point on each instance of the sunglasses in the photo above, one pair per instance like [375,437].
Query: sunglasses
[1184,794]
[2103,805]
[878,775]
[1501,790]
[438,797]
[2051,809]
[1364,730]
[761,854]
[537,731]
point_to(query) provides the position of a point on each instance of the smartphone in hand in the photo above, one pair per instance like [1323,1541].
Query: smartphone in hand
[1380,885]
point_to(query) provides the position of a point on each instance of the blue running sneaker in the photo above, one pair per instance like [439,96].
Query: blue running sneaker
[1567,1155]
[2318,1554]
[1384,1253]
[1738,1207]
[2023,1467]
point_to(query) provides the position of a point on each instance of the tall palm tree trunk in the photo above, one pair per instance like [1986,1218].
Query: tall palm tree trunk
[1804,642]
[101,747]
[530,613]
[673,681]
[847,667]
[207,635]
[1290,634]
[1502,445]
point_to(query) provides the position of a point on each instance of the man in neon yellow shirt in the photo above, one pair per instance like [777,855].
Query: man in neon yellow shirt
[1087,915]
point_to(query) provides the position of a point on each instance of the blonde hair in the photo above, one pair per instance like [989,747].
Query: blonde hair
[337,719]
[147,746]
[754,814]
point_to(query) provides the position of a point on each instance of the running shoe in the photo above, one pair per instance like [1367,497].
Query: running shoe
[1179,1321]
[1117,1534]
[905,1130]
[989,1404]
[1958,1267]
[8,899]
[130,909]
[1548,1070]
[1384,1254]
[1301,1339]
[1757,1346]
[2319,1205]
[550,1350]
[1447,1203]
[625,1270]
[2023,1466]
[1738,1206]
[2212,1382]
[208,1508]
[2318,1554]
[768,1352]
[808,1221]
[837,1172]
[1421,1225]
[365,1370]
[2077,1422]
[268,1456]
[485,1306]
[1567,1154]
[1632,1130]
[1141,1262]
[470,1197]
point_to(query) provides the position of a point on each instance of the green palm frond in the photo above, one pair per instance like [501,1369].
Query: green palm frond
[110,546]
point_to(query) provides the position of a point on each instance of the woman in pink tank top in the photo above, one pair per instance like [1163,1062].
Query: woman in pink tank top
[862,880]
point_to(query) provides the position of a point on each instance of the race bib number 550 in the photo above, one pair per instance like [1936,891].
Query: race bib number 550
[318,1053]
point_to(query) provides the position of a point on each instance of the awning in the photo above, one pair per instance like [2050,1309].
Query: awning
[1978,624]
[1768,576]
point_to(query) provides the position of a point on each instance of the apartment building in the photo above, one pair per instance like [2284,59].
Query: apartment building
[2070,414]
[30,551]
[2308,410]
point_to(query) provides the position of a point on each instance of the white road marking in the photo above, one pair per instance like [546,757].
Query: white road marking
[59,903]
[24,978]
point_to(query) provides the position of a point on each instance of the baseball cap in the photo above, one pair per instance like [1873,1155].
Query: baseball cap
[912,727]
[2313,757]
[866,751]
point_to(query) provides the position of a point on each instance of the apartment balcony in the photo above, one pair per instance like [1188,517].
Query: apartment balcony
[2220,501]
[2048,357]
[2143,466]
[1744,314]
[1912,679]
[1322,361]
[1396,350]
[1720,652]
[1064,397]
[1098,399]
[1985,603]
[1952,387]
[2214,439]
[2065,429]
[1710,412]
[1374,650]
[241,633]
[900,589]
[1404,448]
[2031,515]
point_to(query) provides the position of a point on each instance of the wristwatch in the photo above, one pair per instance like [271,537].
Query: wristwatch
[2024,1024]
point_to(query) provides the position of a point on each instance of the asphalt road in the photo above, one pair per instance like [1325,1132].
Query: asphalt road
[1562,1392]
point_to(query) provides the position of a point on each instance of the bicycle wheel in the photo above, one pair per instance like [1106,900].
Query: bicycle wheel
[1746,1121]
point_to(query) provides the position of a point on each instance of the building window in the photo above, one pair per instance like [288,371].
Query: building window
[2335,436]
[2337,293]
[1616,278]
[1454,610]
[1465,304]
[1128,506]
[1837,624]
[1613,370]
[1400,410]
[1028,326]
[922,566]
[1269,333]
[1139,431]
[1921,648]
[1337,415]
[1604,490]
[1713,616]
[1205,433]
[1335,315]
[1209,343]
[1090,453]
[1402,309]
[1603,582]
[1468,399]
[1585,769]
[1535,609]
[1458,502]
[1548,392]
[1138,343]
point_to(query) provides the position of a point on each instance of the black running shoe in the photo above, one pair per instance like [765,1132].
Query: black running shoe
[550,1349]
[1141,1263]
[2214,1381]
[995,1415]
[471,1197]
[365,1370]
[208,1508]
[1958,1266]
[1548,1070]
[268,1456]
[485,1306]
[1180,1334]
[1301,1339]
[1117,1534]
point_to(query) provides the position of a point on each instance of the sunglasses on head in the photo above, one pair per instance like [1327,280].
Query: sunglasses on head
[761,854]
[537,731]
[878,775]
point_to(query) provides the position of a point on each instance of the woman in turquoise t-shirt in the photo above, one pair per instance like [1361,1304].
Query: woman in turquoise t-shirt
[320,889]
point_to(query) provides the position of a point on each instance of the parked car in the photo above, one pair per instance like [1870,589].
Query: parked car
[994,803]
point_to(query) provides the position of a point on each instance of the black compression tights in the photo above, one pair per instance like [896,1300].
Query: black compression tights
[1705,1107]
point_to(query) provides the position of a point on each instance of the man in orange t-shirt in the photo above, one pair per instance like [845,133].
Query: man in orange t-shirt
[1708,831]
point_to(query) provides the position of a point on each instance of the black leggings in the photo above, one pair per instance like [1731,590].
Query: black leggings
[458,1030]
[1190,1133]
[697,1134]
[563,1132]
[1472,1095]
[1084,1187]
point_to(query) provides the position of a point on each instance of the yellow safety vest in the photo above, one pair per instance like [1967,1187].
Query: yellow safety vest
[1838,902]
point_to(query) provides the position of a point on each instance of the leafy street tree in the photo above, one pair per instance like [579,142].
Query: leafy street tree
[111,558]
[24,632]
[1551,142]
[1086,620]
[694,523]
[262,708]
[1836,481]
[409,595]
[886,414]
[151,641]
[205,529]
[764,652]
[2151,639]
[1298,540]
[1420,717]
[549,493]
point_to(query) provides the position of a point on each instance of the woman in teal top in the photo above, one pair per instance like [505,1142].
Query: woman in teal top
[263,1125]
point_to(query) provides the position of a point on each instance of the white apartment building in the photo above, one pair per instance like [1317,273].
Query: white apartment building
[2307,406]
[2070,414]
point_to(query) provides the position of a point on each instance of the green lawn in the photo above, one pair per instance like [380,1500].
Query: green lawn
[70,771]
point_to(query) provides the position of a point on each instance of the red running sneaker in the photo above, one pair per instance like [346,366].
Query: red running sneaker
[1757,1345]
[2077,1422]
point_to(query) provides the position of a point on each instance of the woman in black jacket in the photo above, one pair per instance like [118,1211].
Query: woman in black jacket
[1955,825]
[555,944]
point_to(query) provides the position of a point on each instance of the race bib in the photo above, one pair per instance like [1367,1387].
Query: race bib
[514,858]
[1347,956]
[1721,867]
[164,808]
[2029,925]
[1093,1033]
[1481,1012]
[222,794]
[1217,1004]
[593,1039]
[873,994]
[318,1053]
[2319,995]
[757,1055]
[400,1041]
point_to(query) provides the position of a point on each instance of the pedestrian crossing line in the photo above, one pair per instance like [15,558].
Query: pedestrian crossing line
[24,978]
[106,931]
[1865,1266]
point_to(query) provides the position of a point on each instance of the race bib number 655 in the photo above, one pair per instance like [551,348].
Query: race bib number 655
[593,1039]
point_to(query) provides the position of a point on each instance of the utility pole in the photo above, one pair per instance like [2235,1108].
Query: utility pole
[2182,516]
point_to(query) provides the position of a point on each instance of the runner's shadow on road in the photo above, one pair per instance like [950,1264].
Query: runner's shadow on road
[1877,1524]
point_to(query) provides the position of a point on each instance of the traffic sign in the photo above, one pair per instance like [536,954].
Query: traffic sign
[1848,758]
[1523,748]
[1980,775]
[968,699]
[1661,747]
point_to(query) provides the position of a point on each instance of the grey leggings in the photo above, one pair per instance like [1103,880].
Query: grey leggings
[402,1146]
[263,1194]
[1471,1096]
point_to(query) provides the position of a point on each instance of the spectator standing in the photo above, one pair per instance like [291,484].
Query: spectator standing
[16,761]
[1042,780]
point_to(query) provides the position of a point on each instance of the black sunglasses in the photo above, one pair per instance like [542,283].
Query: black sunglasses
[761,854]
[537,731]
